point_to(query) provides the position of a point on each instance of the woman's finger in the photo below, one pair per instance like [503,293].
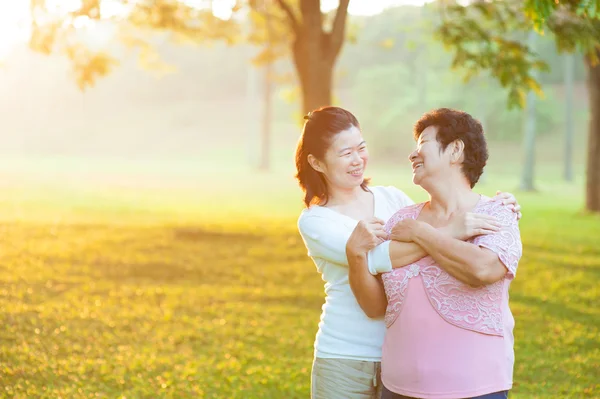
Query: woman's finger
[489,226]
[482,217]
[381,233]
[510,200]
[376,226]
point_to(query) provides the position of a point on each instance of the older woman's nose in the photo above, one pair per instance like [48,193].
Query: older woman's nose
[412,155]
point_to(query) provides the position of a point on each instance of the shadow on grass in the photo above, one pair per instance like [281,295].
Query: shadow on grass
[556,311]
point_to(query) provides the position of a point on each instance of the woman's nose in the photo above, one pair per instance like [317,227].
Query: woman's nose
[412,155]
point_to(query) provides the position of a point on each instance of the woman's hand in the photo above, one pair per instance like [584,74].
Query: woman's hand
[403,230]
[510,201]
[465,225]
[366,236]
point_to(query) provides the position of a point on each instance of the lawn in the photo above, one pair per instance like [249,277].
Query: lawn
[165,289]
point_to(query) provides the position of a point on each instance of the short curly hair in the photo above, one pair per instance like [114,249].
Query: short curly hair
[458,125]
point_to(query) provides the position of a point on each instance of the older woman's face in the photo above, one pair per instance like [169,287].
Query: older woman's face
[429,162]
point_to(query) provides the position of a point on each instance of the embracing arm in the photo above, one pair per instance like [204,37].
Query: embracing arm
[367,288]
[392,255]
[326,239]
[466,262]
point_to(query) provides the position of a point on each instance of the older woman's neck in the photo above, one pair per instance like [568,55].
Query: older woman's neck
[449,197]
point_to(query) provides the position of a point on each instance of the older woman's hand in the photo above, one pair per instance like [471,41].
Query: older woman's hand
[464,225]
[366,236]
[403,230]
[510,201]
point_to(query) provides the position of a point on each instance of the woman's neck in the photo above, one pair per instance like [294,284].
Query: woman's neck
[450,197]
[341,197]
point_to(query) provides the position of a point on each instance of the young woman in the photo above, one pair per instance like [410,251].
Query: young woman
[331,159]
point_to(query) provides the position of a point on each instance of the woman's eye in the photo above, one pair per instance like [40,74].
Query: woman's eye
[362,148]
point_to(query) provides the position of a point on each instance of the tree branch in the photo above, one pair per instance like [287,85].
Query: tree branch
[290,13]
[272,16]
[338,29]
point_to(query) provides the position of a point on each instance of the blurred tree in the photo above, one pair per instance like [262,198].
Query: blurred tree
[483,36]
[529,129]
[569,117]
[267,120]
[314,39]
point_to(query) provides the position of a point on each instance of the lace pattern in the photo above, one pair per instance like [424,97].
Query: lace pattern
[474,308]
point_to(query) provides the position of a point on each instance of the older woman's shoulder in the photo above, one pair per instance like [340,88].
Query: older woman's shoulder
[495,207]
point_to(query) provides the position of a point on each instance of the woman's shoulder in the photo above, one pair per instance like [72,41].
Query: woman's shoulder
[495,207]
[394,195]
[313,212]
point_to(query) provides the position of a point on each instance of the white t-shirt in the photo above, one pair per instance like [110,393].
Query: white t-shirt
[345,331]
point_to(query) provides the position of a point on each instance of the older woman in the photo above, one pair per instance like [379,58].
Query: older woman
[449,327]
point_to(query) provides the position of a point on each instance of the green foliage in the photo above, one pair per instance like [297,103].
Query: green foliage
[485,37]
[540,11]
[390,102]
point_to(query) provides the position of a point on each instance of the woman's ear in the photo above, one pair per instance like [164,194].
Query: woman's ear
[458,149]
[315,163]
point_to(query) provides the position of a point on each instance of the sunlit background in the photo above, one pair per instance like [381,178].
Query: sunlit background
[149,244]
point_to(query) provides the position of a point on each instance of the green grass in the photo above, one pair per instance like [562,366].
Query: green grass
[141,287]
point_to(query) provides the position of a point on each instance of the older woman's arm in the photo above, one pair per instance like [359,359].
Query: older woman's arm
[467,262]
[488,259]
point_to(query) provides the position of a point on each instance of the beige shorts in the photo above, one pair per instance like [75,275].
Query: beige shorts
[345,379]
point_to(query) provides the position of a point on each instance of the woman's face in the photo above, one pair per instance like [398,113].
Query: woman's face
[345,160]
[429,162]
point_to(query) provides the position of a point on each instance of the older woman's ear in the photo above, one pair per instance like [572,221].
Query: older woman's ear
[458,149]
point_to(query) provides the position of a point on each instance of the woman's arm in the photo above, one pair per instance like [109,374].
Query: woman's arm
[466,262]
[367,287]
[326,239]
[483,262]
[462,227]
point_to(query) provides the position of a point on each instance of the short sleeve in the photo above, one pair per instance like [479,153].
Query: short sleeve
[506,243]
[406,212]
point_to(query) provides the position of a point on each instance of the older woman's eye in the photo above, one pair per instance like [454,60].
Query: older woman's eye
[363,148]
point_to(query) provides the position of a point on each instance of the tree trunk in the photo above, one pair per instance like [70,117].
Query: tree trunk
[593,158]
[316,50]
[267,118]
[529,127]
[569,124]
[316,77]
[267,111]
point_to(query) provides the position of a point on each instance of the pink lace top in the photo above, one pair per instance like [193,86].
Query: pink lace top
[474,308]
[446,339]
